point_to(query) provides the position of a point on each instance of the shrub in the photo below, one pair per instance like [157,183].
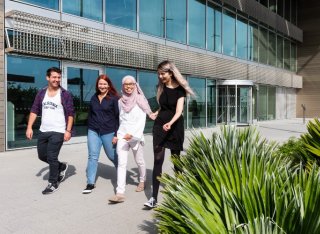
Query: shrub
[232,183]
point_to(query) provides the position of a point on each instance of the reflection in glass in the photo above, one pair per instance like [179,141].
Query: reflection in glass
[271,102]
[243,104]
[91,9]
[293,57]
[229,33]
[176,20]
[52,4]
[286,54]
[122,13]
[197,104]
[25,76]
[197,22]
[280,7]
[242,38]
[214,28]
[116,74]
[272,49]
[273,5]
[287,8]
[253,39]
[279,51]
[294,11]
[151,13]
[266,102]
[264,2]
[82,85]
[262,102]
[148,82]
[263,45]
[211,103]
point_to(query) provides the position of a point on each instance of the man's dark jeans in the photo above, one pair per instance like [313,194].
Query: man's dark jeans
[49,145]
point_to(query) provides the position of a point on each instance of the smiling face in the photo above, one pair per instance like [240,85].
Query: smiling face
[54,80]
[129,86]
[103,86]
[165,76]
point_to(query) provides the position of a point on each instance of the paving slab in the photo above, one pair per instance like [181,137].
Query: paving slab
[25,210]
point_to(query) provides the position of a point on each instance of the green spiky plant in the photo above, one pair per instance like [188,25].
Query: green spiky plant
[304,150]
[232,183]
[311,139]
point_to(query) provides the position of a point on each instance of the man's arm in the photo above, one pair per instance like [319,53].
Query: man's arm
[67,134]
[32,119]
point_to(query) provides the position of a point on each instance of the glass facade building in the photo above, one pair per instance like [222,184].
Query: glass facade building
[210,42]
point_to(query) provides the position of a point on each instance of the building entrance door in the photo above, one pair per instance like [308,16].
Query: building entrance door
[235,102]
[80,80]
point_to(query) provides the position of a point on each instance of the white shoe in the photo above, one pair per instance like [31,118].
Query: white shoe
[152,203]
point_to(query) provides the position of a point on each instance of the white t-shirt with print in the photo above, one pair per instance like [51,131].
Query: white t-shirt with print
[52,119]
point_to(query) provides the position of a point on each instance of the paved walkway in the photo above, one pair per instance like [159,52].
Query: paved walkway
[25,210]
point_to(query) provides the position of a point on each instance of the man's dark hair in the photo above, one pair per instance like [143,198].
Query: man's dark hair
[53,69]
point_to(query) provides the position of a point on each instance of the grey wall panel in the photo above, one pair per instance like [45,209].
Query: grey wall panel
[43,36]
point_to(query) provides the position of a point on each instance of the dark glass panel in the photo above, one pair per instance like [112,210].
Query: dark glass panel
[25,76]
[122,13]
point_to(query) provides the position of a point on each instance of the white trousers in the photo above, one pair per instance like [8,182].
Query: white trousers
[123,147]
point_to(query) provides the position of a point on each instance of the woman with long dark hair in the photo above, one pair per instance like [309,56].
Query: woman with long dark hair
[103,123]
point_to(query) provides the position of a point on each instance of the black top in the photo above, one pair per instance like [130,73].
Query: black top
[104,117]
[172,139]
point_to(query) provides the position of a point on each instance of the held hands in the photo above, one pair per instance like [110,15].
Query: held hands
[114,140]
[153,116]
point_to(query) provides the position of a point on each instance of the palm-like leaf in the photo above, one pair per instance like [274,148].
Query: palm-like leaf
[233,183]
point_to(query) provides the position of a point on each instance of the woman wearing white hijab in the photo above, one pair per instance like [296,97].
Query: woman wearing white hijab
[133,107]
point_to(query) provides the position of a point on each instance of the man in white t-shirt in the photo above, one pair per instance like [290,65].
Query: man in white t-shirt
[55,105]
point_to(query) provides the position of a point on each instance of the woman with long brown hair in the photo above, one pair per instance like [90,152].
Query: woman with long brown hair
[168,128]
[103,123]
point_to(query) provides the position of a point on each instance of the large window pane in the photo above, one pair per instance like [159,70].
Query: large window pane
[82,85]
[286,54]
[287,11]
[242,38]
[52,4]
[176,20]
[262,103]
[214,28]
[273,5]
[279,51]
[116,75]
[272,49]
[91,9]
[148,82]
[280,7]
[152,17]
[197,22]
[229,33]
[122,13]
[211,103]
[293,57]
[253,39]
[271,103]
[25,76]
[263,45]
[197,105]
[264,2]
[294,11]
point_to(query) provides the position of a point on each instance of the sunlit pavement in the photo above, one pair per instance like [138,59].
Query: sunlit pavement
[25,210]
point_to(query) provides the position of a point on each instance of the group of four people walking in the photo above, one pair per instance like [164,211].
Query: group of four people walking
[114,122]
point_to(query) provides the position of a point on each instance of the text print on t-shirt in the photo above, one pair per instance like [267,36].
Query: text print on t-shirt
[50,105]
